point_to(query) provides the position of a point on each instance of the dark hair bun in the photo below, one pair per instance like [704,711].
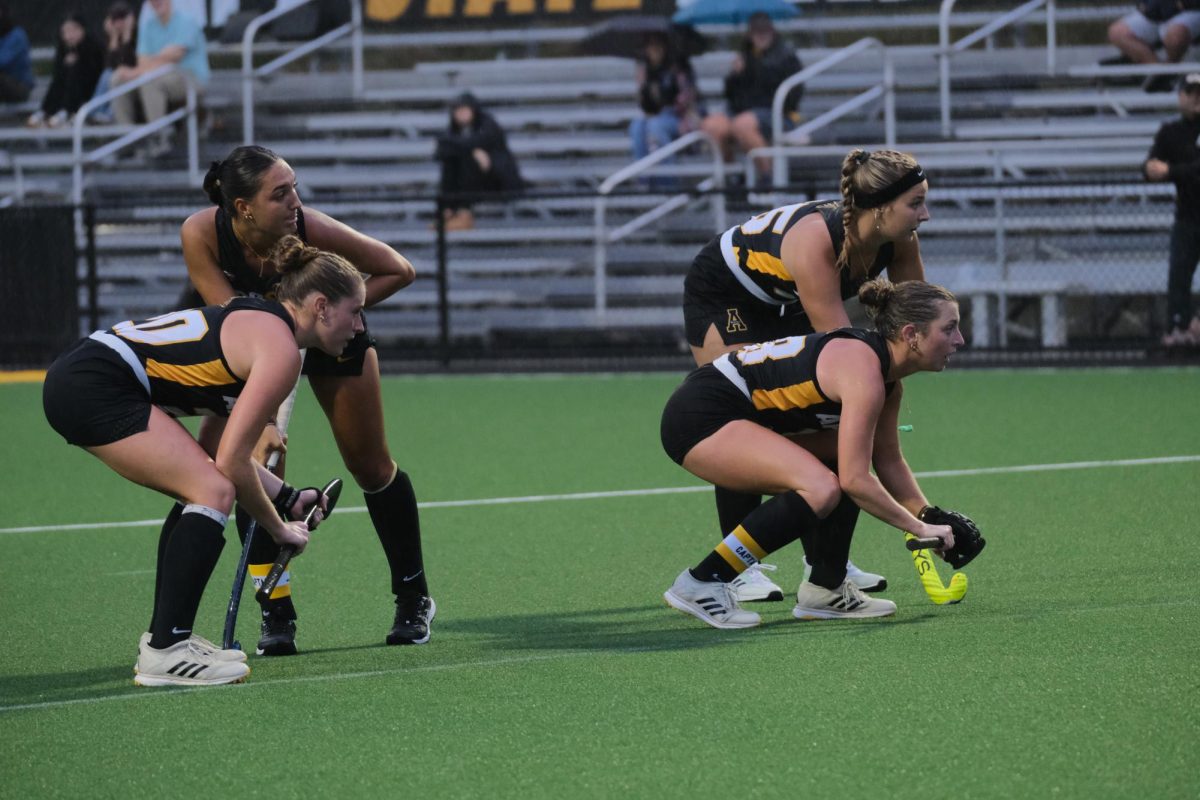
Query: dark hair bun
[876,294]
[290,254]
[212,182]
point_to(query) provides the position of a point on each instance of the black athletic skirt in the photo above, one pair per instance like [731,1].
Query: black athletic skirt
[713,296]
[703,404]
[91,397]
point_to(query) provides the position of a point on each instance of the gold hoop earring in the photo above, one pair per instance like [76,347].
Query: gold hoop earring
[913,346]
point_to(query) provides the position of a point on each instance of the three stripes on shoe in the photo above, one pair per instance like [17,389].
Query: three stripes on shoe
[187,669]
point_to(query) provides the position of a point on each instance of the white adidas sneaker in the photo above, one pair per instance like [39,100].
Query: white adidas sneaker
[845,602]
[205,644]
[867,581]
[711,602]
[752,585]
[186,663]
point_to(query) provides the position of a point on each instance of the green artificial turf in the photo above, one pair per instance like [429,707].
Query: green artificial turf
[555,670]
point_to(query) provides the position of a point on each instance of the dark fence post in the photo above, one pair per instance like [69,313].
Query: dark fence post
[89,227]
[443,284]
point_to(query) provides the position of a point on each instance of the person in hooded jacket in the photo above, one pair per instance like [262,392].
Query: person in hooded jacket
[475,159]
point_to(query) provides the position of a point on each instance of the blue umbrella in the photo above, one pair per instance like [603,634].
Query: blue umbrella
[732,12]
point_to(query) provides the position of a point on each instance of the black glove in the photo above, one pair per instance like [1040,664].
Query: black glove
[968,542]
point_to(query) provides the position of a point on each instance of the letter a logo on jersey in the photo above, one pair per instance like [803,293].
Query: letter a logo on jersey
[735,323]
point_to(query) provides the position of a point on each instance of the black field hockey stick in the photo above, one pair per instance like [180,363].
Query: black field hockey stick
[332,491]
[282,418]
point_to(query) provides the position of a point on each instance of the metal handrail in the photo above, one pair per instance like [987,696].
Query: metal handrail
[354,27]
[946,49]
[886,89]
[79,158]
[603,236]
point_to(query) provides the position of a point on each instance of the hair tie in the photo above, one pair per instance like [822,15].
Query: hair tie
[862,157]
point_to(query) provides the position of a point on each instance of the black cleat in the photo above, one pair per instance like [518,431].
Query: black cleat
[278,636]
[414,615]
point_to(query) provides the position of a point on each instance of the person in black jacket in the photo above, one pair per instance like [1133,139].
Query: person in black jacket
[78,61]
[1174,24]
[475,158]
[1175,156]
[763,63]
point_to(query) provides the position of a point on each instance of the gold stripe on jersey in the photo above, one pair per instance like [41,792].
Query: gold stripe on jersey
[767,264]
[208,373]
[798,395]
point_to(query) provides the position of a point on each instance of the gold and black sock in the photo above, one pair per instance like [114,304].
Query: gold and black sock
[774,524]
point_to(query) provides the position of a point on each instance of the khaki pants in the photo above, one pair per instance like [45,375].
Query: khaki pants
[156,98]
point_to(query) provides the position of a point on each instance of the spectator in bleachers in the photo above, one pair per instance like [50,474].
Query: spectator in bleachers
[667,96]
[475,159]
[1173,24]
[167,37]
[78,61]
[1175,157]
[120,33]
[16,62]
[764,61]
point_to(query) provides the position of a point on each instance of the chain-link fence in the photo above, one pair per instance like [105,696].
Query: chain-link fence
[1044,271]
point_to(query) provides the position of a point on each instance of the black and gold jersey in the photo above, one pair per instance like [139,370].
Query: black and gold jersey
[177,357]
[780,379]
[752,251]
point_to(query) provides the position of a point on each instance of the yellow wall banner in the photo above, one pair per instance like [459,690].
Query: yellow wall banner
[410,11]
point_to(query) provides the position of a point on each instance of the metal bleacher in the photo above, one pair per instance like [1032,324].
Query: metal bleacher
[528,267]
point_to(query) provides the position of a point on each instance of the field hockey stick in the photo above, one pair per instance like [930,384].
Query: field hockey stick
[332,491]
[938,592]
[282,417]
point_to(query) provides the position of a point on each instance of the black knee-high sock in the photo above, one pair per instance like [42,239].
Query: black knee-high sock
[191,554]
[832,546]
[774,524]
[164,536]
[733,507]
[263,550]
[393,510]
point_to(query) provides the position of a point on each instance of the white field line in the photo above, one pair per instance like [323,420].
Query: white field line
[547,498]
[328,677]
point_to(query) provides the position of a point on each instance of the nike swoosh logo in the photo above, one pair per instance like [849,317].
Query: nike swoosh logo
[412,577]
[343,360]
[177,632]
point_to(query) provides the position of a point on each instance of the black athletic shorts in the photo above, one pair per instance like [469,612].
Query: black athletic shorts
[713,296]
[350,362]
[92,398]
[703,404]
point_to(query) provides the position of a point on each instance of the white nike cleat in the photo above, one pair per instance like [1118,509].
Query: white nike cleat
[711,602]
[752,585]
[867,581]
[186,663]
[845,602]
